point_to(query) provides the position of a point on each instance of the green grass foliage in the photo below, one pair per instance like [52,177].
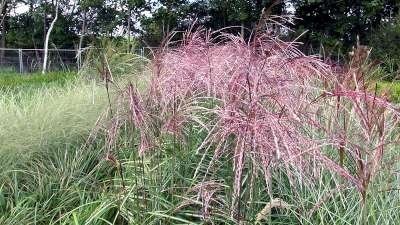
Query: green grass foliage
[16,81]
[392,88]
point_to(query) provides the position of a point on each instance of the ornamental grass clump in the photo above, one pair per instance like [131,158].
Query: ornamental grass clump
[263,102]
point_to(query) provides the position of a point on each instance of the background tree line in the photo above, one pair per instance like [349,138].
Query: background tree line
[333,23]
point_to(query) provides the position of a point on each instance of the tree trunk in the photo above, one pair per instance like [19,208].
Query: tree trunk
[83,33]
[129,30]
[44,22]
[46,43]
[37,53]
[3,10]
[3,23]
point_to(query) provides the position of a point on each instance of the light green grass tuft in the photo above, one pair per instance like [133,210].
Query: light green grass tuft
[48,116]
[15,81]
[393,88]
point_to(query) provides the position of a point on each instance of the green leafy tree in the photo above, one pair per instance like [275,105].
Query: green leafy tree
[244,13]
[338,23]
[180,14]
[133,10]
[386,48]
[166,16]
[28,29]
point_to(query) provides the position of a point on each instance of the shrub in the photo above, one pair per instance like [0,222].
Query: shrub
[386,49]
[265,104]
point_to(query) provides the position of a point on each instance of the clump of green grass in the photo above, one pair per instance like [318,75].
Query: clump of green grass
[15,81]
[392,88]
[54,182]
[44,172]
[48,116]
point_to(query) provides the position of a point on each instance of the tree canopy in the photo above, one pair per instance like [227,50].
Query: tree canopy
[332,23]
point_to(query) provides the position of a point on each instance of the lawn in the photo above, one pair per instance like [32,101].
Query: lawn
[393,89]
[11,80]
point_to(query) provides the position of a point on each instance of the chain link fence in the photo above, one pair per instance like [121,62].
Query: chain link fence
[31,60]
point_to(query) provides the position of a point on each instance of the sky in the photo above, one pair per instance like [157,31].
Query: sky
[20,8]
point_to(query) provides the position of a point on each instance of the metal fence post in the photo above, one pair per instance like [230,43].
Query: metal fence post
[21,63]
[79,56]
[142,60]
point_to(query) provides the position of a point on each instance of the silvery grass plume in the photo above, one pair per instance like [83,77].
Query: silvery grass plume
[263,101]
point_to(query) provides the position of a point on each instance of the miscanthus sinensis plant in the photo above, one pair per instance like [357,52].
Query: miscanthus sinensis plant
[265,104]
